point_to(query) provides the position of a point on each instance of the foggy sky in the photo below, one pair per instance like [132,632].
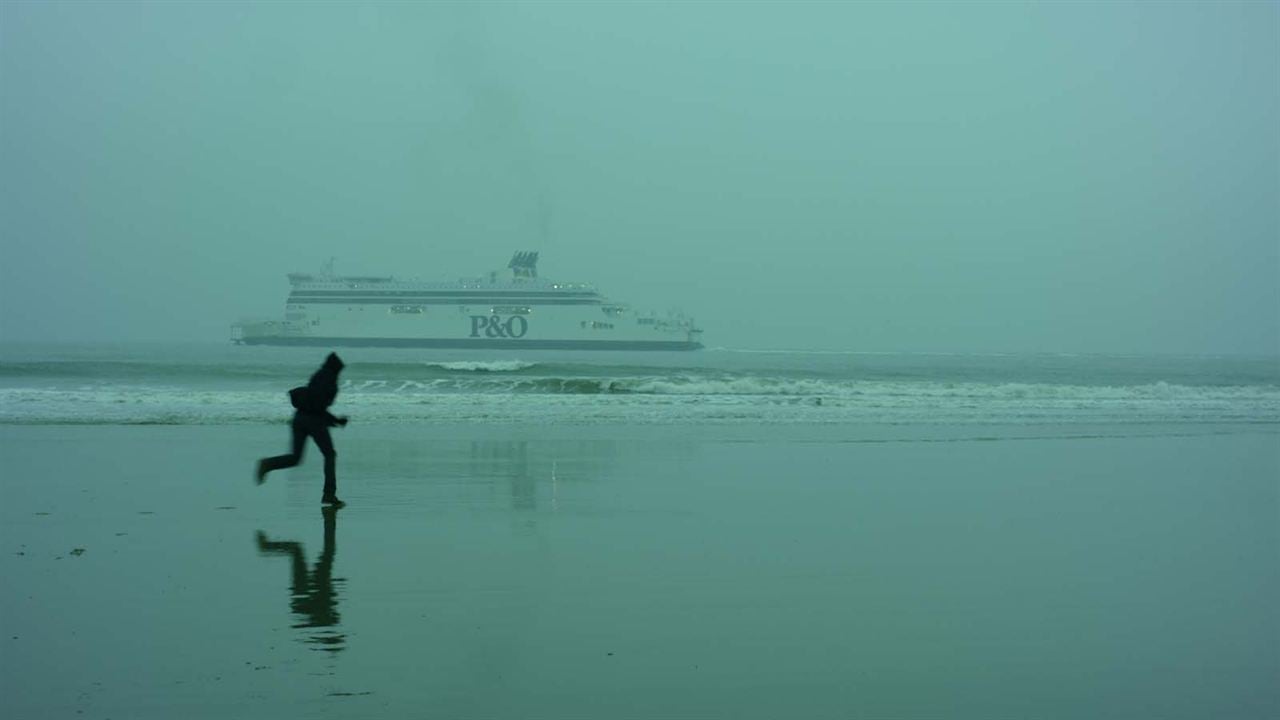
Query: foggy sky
[1067,177]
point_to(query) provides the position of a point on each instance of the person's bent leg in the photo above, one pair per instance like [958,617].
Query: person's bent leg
[288,460]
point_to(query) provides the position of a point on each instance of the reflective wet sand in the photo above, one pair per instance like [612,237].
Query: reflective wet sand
[640,572]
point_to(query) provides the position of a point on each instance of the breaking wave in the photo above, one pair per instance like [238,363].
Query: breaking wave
[676,399]
[480,366]
[202,386]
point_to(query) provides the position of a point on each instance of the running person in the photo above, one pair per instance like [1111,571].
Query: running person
[313,420]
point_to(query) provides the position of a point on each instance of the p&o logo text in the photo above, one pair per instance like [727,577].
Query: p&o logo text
[493,326]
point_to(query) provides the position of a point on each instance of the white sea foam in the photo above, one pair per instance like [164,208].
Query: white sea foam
[671,400]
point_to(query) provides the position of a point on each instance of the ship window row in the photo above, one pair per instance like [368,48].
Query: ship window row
[407,310]
[479,300]
[510,310]
[597,325]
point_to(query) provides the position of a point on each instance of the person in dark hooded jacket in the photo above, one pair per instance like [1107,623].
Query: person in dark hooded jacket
[313,420]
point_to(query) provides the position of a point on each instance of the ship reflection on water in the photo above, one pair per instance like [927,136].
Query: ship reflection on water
[510,462]
[532,473]
[314,592]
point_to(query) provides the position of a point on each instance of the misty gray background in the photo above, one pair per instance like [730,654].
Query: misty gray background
[918,177]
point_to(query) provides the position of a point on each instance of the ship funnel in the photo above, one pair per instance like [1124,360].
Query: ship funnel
[524,264]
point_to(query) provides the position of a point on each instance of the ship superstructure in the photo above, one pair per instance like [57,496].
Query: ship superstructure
[515,309]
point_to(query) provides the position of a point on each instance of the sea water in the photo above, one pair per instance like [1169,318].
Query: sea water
[221,384]
[724,534]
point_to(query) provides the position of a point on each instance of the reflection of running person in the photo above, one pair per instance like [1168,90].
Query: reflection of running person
[313,420]
[315,593]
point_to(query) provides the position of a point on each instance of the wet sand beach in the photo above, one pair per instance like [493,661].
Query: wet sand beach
[607,572]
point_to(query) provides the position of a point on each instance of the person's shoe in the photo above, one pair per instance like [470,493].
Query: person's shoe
[260,476]
[332,500]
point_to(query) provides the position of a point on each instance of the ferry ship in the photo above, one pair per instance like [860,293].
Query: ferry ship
[515,310]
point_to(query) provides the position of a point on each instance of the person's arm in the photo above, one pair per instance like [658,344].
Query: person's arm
[334,420]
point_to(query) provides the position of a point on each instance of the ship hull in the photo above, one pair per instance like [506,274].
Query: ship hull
[477,344]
